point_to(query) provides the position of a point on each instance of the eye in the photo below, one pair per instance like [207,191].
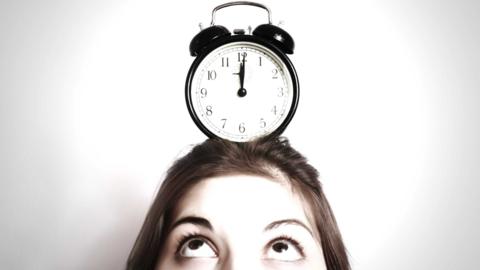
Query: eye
[196,247]
[284,249]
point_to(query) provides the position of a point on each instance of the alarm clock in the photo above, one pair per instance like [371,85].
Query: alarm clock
[241,85]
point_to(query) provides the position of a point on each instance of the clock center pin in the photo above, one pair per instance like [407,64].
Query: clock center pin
[242,85]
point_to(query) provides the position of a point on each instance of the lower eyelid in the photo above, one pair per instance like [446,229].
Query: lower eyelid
[296,244]
[185,238]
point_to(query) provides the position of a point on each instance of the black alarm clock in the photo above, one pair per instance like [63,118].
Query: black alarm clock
[242,85]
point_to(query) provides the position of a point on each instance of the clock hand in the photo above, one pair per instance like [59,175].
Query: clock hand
[242,72]
[242,91]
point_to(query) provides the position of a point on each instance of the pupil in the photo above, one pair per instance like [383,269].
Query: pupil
[280,247]
[195,244]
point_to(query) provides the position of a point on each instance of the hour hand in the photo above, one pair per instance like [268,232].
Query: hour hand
[242,74]
[242,91]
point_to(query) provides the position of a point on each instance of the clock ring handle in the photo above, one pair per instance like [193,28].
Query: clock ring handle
[245,3]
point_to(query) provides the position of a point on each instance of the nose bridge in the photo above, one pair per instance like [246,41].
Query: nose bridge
[241,263]
[243,244]
[241,256]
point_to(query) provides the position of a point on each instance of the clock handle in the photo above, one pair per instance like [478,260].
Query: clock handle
[245,3]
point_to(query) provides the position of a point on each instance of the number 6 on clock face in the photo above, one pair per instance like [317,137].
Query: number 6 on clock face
[242,86]
[242,90]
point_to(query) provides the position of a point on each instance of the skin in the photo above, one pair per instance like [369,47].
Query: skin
[239,222]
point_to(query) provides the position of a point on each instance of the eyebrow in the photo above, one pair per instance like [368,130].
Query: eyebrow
[199,221]
[278,223]
[202,222]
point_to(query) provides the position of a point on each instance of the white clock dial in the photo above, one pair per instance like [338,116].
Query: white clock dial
[236,110]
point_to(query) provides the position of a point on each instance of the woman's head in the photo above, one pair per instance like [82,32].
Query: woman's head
[226,205]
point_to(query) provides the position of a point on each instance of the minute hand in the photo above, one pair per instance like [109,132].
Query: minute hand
[242,92]
[242,73]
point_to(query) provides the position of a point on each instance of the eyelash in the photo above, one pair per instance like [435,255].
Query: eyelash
[291,240]
[188,236]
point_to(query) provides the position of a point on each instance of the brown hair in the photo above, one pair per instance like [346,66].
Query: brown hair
[216,157]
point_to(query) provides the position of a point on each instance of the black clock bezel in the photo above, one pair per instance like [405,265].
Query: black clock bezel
[248,38]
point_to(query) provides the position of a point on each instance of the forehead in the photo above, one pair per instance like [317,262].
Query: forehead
[242,200]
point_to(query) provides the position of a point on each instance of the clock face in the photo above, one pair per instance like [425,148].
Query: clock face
[241,91]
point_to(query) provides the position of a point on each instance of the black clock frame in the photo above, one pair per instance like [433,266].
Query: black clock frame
[247,38]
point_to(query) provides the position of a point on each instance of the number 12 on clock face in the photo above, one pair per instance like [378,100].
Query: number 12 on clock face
[241,91]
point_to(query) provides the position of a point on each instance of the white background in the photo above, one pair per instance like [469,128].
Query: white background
[92,113]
